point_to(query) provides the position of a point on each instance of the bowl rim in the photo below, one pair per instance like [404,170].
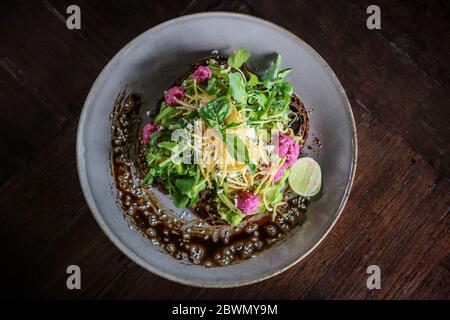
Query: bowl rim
[118,243]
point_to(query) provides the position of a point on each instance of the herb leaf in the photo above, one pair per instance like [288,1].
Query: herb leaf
[253,80]
[238,58]
[184,185]
[272,72]
[234,218]
[237,87]
[215,112]
[169,145]
[283,73]
[165,115]
[179,200]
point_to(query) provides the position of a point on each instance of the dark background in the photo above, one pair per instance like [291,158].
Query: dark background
[397,80]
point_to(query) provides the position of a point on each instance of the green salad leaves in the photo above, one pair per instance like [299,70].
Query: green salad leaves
[221,94]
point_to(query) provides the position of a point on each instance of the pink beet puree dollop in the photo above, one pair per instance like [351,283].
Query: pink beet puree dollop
[148,130]
[247,202]
[174,94]
[287,148]
[202,74]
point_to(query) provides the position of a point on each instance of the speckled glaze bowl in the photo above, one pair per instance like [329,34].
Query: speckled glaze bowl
[149,64]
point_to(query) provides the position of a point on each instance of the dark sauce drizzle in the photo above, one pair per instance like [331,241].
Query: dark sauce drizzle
[193,241]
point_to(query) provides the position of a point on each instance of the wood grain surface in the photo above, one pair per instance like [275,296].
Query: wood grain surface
[397,80]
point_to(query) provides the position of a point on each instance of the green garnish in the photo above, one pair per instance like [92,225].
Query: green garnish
[237,87]
[229,99]
[238,58]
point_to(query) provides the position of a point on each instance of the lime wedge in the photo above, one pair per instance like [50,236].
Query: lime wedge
[305,177]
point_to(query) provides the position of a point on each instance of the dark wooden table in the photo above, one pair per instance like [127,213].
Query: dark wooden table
[398,82]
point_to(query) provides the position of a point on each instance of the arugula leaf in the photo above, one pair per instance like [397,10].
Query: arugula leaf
[274,193]
[238,58]
[153,155]
[237,87]
[164,115]
[286,89]
[194,171]
[228,211]
[199,186]
[253,80]
[174,157]
[234,218]
[169,145]
[231,125]
[282,101]
[258,98]
[271,73]
[155,136]
[283,73]
[181,169]
[179,200]
[215,112]
[184,185]
[149,177]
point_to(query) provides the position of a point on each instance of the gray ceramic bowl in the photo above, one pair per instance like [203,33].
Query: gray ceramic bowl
[149,64]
